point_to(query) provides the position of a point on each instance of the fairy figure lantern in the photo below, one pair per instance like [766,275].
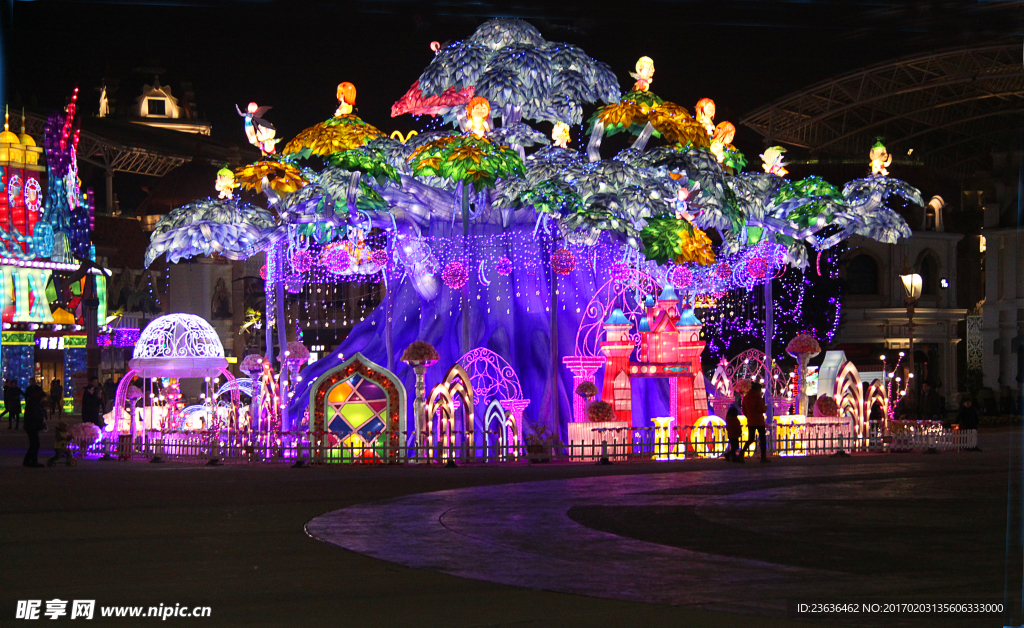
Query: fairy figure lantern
[706,115]
[479,112]
[644,74]
[226,183]
[260,133]
[771,161]
[346,99]
[721,139]
[880,158]
[560,135]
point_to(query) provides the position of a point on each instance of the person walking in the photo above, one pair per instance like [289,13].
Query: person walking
[733,430]
[34,422]
[56,398]
[12,403]
[754,409]
[967,417]
[92,402]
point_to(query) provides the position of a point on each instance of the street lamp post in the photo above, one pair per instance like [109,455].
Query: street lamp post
[912,288]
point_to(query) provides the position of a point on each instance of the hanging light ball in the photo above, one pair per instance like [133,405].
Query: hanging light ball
[757,268]
[335,258]
[503,267]
[723,270]
[563,261]
[379,257]
[682,277]
[621,272]
[301,261]
[455,275]
[263,272]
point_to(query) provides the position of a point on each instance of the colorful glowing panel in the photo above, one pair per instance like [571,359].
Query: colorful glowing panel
[357,406]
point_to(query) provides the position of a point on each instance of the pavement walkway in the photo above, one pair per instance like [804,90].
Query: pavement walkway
[690,543]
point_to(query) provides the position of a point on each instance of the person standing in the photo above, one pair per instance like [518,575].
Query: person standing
[34,422]
[92,402]
[967,418]
[733,430]
[754,409]
[12,403]
[56,398]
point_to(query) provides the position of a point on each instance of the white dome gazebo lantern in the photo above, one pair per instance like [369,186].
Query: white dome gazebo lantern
[180,346]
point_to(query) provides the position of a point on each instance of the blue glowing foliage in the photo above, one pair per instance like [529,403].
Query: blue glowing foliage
[232,229]
[507,62]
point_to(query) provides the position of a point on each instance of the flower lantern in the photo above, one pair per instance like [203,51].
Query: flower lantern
[803,348]
[503,267]
[601,412]
[379,257]
[682,277]
[251,365]
[563,261]
[826,406]
[455,275]
[336,258]
[302,261]
[420,355]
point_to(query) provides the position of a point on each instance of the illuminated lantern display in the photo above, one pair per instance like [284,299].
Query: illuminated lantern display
[706,115]
[644,74]
[226,183]
[757,268]
[263,272]
[455,275]
[346,99]
[563,261]
[302,261]
[772,161]
[723,270]
[503,267]
[880,159]
[379,257]
[621,273]
[560,135]
[682,277]
[479,113]
[259,132]
[335,258]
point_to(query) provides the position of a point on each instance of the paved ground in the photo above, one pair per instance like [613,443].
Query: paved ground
[233,538]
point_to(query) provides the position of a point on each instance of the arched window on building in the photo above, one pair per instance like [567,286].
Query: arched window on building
[862,275]
[929,271]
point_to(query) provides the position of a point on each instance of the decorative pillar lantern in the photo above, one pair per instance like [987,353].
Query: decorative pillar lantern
[420,355]
[583,368]
[803,348]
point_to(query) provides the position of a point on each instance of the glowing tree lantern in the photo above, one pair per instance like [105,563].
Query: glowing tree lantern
[335,258]
[503,267]
[302,261]
[454,275]
[563,261]
[803,348]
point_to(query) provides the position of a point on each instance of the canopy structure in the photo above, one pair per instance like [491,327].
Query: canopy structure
[951,107]
[178,345]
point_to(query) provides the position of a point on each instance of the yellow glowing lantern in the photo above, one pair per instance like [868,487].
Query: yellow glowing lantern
[32,151]
[11,150]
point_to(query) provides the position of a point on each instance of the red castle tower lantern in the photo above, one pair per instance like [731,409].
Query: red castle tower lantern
[670,347]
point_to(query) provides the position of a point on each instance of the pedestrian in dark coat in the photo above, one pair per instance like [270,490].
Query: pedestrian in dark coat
[92,403]
[754,409]
[34,422]
[733,430]
[12,403]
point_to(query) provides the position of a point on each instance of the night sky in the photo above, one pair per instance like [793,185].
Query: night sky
[742,54]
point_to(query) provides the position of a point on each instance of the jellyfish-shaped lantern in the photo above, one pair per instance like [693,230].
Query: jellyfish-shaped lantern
[803,348]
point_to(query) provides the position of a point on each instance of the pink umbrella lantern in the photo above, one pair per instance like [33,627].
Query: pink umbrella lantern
[803,348]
